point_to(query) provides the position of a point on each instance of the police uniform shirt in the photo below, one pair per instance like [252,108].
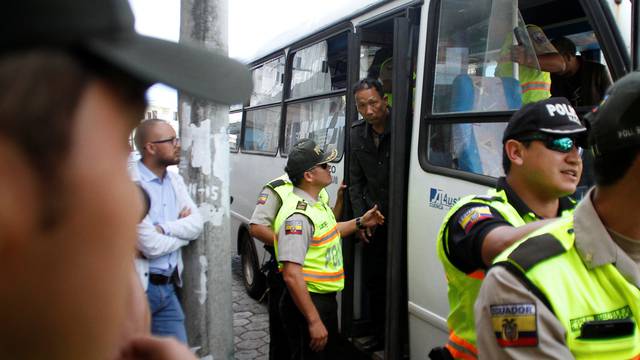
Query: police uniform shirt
[468,227]
[596,247]
[267,207]
[296,233]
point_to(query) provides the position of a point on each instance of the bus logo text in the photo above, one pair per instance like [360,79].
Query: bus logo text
[439,199]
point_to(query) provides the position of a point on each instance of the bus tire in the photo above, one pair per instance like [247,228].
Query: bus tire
[255,282]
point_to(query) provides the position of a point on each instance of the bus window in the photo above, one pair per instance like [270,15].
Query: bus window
[235,121]
[321,120]
[472,147]
[320,68]
[261,130]
[481,51]
[267,82]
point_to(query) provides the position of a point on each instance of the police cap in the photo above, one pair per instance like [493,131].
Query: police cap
[306,154]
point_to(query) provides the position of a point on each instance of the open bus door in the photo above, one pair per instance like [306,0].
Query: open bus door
[405,45]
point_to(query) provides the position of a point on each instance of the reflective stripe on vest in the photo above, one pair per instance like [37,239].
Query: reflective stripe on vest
[461,349]
[463,288]
[322,269]
[576,293]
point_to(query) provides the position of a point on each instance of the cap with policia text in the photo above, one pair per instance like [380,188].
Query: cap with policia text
[105,29]
[304,155]
[553,116]
[615,123]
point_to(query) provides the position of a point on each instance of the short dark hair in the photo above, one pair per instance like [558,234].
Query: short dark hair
[611,167]
[369,83]
[506,162]
[296,179]
[564,46]
[40,90]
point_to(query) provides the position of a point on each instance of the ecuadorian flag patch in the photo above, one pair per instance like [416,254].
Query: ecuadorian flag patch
[262,199]
[293,227]
[515,324]
[473,216]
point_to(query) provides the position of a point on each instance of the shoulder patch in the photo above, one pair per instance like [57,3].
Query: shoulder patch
[293,227]
[472,216]
[262,199]
[275,183]
[536,249]
[301,205]
[514,324]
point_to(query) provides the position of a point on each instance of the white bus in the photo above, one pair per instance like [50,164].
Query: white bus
[449,110]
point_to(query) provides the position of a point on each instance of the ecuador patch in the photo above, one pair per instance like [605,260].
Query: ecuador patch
[262,199]
[473,216]
[515,324]
[293,227]
[301,205]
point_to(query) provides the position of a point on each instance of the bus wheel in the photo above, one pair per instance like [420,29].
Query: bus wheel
[255,282]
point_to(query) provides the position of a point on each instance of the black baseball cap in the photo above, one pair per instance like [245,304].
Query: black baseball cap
[306,154]
[554,116]
[615,123]
[105,29]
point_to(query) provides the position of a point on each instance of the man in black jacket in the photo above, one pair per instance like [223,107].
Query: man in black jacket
[370,141]
[583,82]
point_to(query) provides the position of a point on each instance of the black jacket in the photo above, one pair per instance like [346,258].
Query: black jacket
[369,169]
[586,87]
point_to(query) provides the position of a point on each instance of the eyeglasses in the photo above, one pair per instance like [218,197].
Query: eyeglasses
[173,140]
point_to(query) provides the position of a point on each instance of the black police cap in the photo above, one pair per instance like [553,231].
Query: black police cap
[306,154]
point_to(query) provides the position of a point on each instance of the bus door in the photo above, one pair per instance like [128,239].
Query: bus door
[386,51]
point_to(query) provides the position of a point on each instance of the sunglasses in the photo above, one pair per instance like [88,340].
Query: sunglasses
[321,166]
[561,144]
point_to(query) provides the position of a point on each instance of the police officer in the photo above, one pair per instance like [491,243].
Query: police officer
[542,167]
[535,70]
[571,290]
[309,253]
[261,228]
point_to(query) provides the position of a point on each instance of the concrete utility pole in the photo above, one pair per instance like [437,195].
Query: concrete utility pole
[203,127]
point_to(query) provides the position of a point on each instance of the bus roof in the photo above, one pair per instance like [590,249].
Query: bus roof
[345,11]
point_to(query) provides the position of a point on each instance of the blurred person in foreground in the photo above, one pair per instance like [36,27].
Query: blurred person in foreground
[73,75]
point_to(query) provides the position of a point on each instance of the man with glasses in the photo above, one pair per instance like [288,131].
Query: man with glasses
[571,289]
[309,253]
[173,221]
[543,166]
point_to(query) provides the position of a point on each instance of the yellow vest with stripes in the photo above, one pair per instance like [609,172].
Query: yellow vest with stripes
[463,288]
[322,269]
[575,293]
[282,186]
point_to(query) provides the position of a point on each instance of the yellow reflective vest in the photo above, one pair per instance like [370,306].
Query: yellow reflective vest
[322,269]
[575,293]
[463,288]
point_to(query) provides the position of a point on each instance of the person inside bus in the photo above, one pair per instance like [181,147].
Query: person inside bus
[381,68]
[583,82]
[309,253]
[541,160]
[576,281]
[71,92]
[534,72]
[370,141]
[261,227]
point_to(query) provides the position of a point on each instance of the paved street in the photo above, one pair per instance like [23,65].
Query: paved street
[250,320]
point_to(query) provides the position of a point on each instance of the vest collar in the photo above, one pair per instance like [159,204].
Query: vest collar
[565,203]
[595,245]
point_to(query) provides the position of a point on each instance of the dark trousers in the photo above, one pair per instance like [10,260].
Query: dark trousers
[297,329]
[375,278]
[278,344]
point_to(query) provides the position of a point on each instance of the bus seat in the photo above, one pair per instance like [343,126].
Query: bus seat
[478,93]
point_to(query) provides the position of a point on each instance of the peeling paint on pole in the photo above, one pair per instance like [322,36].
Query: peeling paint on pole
[200,143]
[202,292]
